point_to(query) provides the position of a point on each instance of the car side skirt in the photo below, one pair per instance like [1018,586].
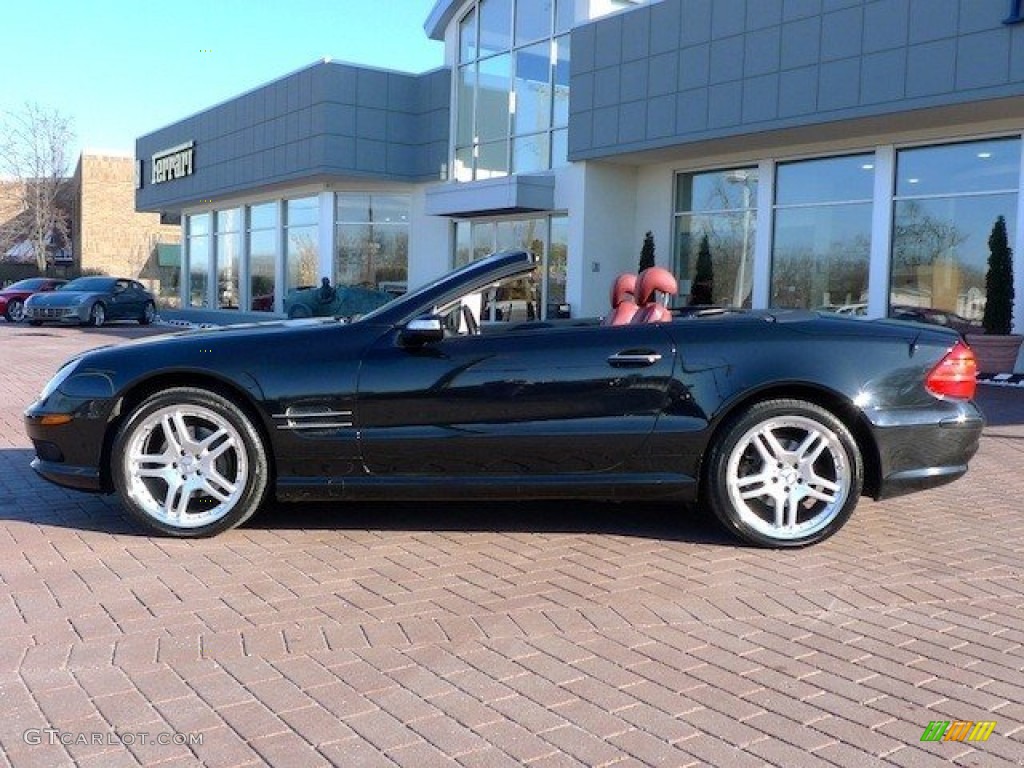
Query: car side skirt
[616,487]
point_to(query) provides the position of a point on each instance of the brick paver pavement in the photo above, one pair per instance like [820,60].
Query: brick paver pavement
[505,635]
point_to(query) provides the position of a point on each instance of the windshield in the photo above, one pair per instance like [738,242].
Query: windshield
[412,298]
[89,284]
[32,284]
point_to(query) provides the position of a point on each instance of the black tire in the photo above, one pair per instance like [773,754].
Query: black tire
[97,314]
[767,457]
[235,468]
[148,313]
[15,311]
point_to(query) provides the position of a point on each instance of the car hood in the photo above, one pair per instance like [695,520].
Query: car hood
[61,298]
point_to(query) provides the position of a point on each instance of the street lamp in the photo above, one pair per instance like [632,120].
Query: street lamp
[744,177]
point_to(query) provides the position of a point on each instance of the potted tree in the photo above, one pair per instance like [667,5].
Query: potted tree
[646,253]
[996,350]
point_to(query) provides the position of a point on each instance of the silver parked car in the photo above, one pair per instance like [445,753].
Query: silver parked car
[93,301]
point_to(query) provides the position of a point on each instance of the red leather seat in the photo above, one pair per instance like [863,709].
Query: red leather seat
[623,305]
[652,281]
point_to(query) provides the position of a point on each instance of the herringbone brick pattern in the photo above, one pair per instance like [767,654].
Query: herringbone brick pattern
[508,635]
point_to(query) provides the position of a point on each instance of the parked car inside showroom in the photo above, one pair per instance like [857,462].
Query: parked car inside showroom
[776,420]
[94,300]
[14,296]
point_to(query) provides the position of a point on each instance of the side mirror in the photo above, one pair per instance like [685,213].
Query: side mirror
[423,330]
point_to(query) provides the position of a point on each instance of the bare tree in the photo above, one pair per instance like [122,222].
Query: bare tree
[34,157]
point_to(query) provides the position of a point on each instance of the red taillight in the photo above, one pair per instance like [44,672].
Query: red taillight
[955,375]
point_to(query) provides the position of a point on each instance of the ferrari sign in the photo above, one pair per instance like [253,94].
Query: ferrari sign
[173,163]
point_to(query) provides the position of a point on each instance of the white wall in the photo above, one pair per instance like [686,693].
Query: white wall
[430,244]
[601,200]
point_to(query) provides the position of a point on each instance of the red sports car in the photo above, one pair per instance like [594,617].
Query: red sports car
[12,298]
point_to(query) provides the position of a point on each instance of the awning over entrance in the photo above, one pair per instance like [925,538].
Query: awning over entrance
[168,255]
[507,195]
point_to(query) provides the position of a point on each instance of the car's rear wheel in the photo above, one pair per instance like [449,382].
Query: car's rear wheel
[188,462]
[784,473]
[15,311]
[97,315]
[148,313]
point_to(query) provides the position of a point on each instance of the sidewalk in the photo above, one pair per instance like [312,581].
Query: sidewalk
[460,635]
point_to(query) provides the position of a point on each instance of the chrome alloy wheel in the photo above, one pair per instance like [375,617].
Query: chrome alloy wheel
[788,477]
[186,465]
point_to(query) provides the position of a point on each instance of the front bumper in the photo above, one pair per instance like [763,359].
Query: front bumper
[56,314]
[70,454]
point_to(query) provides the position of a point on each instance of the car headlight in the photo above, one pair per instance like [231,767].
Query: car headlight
[59,378]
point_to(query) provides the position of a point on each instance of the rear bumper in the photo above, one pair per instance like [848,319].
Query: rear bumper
[925,455]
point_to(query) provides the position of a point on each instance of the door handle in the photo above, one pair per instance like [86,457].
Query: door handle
[634,359]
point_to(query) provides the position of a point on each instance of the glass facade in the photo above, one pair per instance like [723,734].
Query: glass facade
[302,242]
[372,241]
[512,88]
[822,246]
[826,214]
[261,246]
[542,294]
[197,233]
[716,214]
[228,228]
[947,200]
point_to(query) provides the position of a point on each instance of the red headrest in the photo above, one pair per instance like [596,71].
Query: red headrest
[623,288]
[655,279]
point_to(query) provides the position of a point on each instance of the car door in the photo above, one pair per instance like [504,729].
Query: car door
[532,401]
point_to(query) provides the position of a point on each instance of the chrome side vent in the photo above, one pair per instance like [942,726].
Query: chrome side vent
[304,417]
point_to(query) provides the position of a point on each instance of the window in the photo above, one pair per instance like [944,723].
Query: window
[262,250]
[822,245]
[715,222]
[302,246]
[542,294]
[947,200]
[198,234]
[228,225]
[512,88]
[372,247]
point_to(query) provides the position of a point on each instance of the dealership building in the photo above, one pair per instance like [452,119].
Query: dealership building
[846,154]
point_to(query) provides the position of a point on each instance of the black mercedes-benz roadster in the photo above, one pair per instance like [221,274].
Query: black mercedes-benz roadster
[776,420]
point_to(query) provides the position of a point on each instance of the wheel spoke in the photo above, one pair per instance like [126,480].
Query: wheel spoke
[754,486]
[792,507]
[169,434]
[181,507]
[815,493]
[812,447]
[214,446]
[760,441]
[218,486]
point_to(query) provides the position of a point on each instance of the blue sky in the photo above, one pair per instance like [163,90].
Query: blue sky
[123,68]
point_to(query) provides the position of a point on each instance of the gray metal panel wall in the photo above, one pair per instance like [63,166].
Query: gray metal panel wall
[681,71]
[330,119]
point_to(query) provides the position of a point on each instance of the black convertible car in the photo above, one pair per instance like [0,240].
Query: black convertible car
[777,420]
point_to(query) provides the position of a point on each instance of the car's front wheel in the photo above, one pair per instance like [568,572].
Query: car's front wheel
[148,313]
[97,315]
[188,462]
[15,311]
[784,473]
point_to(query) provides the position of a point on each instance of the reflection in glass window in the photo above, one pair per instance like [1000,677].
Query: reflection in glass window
[715,222]
[262,249]
[822,245]
[545,236]
[198,232]
[512,88]
[947,201]
[228,258]
[302,245]
[372,241]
